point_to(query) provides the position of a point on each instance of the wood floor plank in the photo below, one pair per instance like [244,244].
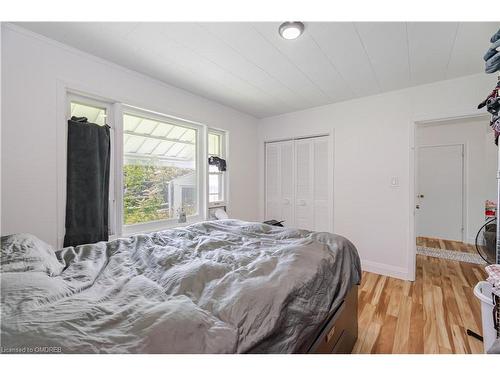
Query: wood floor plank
[416,344]
[437,296]
[395,298]
[406,288]
[377,293]
[385,339]
[431,341]
[372,333]
[418,285]
[431,344]
[370,281]
[364,321]
[469,275]
[452,313]
[476,346]
[366,315]
[401,337]
[460,277]
[474,304]
[460,344]
[382,304]
[464,308]
[480,274]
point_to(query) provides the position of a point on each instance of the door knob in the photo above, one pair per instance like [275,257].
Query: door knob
[420,195]
[417,207]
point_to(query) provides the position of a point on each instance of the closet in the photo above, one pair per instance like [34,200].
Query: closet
[299,183]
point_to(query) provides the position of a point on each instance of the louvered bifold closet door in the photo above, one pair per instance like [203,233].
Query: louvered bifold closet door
[287,182]
[299,183]
[273,186]
[322,186]
[304,172]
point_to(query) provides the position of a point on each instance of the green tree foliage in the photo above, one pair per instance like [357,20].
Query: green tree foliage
[146,192]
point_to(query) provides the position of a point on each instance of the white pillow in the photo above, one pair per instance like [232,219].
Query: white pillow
[25,252]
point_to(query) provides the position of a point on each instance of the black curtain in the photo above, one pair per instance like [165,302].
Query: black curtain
[87,183]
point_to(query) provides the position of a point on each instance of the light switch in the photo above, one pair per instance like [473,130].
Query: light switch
[394,181]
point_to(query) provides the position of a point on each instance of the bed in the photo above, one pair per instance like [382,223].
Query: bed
[224,286]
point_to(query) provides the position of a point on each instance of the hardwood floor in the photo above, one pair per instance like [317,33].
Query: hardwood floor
[438,243]
[429,315]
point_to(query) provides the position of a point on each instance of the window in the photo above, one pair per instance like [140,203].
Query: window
[158,165]
[160,174]
[216,180]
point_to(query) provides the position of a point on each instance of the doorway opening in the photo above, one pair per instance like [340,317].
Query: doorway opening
[455,180]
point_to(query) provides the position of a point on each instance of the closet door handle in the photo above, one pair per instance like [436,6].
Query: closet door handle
[301,202]
[286,201]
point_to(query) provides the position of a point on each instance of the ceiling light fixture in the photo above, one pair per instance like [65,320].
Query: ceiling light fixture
[291,30]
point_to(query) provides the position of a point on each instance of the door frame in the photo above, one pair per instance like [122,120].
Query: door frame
[464,179]
[418,120]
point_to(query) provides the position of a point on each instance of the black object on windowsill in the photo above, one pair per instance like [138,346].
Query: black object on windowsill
[275,223]
[220,163]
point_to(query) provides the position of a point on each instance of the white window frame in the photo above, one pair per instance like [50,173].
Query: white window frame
[223,154]
[110,121]
[200,168]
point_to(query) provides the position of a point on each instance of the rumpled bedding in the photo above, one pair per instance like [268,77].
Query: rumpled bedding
[214,287]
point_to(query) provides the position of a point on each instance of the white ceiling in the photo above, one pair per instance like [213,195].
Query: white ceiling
[249,67]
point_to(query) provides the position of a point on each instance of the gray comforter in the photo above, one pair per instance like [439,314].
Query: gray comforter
[214,287]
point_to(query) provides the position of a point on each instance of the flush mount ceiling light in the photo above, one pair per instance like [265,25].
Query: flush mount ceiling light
[291,30]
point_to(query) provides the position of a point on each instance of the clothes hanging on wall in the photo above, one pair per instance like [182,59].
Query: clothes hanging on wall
[87,182]
[492,104]
[493,64]
[220,163]
[495,123]
[495,37]
[492,51]
[492,56]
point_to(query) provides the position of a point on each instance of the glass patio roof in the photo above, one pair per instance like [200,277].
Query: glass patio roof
[147,139]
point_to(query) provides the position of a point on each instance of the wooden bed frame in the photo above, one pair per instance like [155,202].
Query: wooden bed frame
[340,332]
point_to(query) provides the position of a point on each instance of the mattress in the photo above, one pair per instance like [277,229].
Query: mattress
[214,287]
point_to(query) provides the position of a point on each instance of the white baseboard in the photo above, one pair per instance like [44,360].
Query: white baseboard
[470,241]
[385,269]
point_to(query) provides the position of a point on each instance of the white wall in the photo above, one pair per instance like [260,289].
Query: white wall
[33,68]
[374,141]
[480,163]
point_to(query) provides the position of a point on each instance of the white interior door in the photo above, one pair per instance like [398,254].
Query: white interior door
[287,179]
[280,182]
[304,172]
[439,212]
[273,188]
[299,183]
[322,185]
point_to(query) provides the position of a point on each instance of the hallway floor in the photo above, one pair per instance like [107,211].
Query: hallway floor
[438,243]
